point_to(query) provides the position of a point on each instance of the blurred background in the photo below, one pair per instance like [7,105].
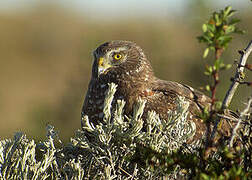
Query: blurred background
[46,53]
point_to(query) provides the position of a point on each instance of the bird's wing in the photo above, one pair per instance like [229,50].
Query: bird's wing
[170,87]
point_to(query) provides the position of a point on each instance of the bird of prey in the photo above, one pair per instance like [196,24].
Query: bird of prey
[125,64]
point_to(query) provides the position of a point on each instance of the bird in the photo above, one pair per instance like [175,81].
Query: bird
[125,64]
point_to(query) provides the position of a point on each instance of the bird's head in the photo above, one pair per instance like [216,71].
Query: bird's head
[120,57]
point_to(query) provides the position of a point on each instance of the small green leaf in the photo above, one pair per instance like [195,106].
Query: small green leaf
[207,73]
[231,13]
[222,65]
[210,34]
[238,31]
[205,38]
[206,110]
[208,88]
[239,170]
[227,10]
[200,39]
[209,69]
[228,66]
[205,52]
[230,29]
[223,40]
[218,104]
[205,176]
[234,21]
[212,48]
[211,27]
[230,155]
[217,19]
[204,27]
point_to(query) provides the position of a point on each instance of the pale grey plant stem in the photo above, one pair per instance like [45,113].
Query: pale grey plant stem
[230,93]
[242,115]
[108,102]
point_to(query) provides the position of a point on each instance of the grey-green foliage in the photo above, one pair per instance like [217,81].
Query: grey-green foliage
[112,143]
[18,159]
[99,152]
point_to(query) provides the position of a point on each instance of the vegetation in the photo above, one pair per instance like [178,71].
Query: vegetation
[121,149]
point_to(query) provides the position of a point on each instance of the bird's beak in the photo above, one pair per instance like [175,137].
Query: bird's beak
[102,66]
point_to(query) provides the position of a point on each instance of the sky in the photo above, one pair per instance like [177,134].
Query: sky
[117,8]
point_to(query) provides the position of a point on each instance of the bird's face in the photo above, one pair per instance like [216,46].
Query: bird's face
[117,57]
[110,58]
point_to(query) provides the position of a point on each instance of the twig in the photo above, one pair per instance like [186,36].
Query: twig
[243,113]
[231,119]
[248,66]
[244,56]
[230,93]
[245,82]
[124,171]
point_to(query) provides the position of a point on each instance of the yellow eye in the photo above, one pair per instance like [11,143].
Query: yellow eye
[117,56]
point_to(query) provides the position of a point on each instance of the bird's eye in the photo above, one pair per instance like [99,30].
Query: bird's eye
[117,56]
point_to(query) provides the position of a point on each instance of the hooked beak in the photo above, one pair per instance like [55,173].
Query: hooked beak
[102,66]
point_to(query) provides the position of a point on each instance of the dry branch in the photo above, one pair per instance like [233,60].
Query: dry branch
[235,82]
[239,70]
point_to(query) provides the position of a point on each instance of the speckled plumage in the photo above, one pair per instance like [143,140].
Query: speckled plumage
[135,78]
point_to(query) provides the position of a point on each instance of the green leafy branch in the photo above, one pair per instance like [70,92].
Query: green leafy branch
[217,34]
